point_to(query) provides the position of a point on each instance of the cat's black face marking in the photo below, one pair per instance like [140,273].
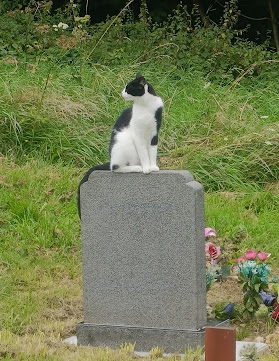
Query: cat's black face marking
[136,87]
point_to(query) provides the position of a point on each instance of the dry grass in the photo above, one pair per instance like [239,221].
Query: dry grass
[48,347]
[57,104]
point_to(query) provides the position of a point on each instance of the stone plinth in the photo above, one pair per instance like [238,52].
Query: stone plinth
[143,260]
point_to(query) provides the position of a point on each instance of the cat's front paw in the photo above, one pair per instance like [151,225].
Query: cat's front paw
[146,170]
[154,168]
[137,169]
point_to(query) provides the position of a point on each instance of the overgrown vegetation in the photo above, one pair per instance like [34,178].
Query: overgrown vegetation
[59,96]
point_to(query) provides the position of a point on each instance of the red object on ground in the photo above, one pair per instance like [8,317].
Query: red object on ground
[220,344]
[275,314]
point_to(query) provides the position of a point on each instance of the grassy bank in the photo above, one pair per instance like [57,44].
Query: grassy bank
[226,135]
[57,107]
[41,290]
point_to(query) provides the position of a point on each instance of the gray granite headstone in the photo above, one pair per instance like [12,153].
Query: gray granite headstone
[143,259]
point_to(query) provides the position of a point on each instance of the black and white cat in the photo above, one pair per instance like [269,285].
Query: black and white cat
[134,137]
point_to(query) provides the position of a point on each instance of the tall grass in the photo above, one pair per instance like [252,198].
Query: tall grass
[59,98]
[226,137]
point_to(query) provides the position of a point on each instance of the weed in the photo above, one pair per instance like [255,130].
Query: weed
[194,355]
[156,352]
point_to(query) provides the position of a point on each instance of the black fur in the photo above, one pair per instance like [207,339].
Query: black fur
[135,88]
[158,117]
[151,90]
[122,122]
[105,166]
[154,140]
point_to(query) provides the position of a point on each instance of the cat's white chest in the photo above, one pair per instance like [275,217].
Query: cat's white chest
[143,116]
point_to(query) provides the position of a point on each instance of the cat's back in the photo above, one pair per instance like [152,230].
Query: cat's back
[124,119]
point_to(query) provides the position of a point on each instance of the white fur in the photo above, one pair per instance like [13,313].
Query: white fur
[133,143]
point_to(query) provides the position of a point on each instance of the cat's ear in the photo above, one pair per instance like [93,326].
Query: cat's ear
[140,79]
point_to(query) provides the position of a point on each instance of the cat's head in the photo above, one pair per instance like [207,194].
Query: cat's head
[137,88]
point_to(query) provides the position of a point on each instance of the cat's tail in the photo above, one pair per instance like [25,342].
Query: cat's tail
[105,166]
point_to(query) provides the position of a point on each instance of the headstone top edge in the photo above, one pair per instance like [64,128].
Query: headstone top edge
[184,173]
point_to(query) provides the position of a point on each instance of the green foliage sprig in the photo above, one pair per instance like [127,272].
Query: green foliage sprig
[253,275]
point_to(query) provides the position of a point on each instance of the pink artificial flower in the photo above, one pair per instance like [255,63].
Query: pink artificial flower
[263,256]
[251,255]
[212,250]
[241,259]
[209,232]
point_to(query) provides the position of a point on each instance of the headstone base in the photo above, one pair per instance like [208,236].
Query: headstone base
[170,340]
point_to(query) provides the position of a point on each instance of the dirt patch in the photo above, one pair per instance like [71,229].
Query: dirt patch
[226,291]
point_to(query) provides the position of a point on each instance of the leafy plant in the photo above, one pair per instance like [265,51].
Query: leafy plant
[225,310]
[253,275]
[249,353]
[211,276]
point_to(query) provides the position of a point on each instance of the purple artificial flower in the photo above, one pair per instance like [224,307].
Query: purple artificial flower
[229,309]
[268,298]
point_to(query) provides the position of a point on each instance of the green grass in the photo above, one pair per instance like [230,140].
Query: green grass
[40,245]
[55,123]
[217,132]
[250,220]
[41,292]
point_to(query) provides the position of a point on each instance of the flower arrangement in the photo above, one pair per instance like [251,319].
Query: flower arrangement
[214,269]
[253,275]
